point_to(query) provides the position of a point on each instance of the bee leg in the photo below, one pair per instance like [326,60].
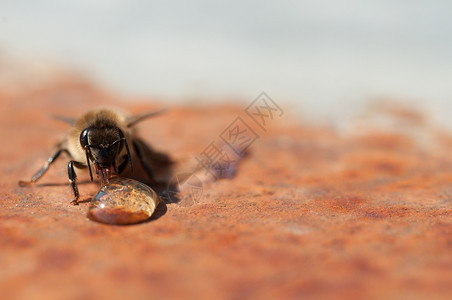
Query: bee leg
[73,177]
[44,169]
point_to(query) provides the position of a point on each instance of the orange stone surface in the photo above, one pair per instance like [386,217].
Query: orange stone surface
[358,209]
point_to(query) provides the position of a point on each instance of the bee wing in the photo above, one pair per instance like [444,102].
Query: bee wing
[133,120]
[67,120]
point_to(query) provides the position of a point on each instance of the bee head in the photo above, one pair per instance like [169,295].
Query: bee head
[102,146]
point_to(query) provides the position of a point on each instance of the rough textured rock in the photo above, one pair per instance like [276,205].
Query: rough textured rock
[361,210]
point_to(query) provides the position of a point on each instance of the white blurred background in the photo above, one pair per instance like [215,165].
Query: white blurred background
[324,57]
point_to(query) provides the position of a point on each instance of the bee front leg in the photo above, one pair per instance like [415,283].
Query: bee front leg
[73,177]
[44,169]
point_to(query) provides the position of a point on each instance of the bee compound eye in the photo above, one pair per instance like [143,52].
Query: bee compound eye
[84,137]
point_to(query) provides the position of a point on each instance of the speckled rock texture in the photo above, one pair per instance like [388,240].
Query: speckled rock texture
[356,210]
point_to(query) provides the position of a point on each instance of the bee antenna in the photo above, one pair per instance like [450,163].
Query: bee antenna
[115,167]
[128,155]
[122,138]
[89,165]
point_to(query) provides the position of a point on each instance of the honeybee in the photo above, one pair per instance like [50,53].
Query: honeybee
[102,138]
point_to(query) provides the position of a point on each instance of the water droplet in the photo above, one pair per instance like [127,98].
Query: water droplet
[123,201]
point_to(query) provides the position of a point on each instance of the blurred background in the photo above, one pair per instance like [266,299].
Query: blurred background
[325,58]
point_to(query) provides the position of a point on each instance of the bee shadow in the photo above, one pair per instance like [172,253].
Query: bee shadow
[159,212]
[154,169]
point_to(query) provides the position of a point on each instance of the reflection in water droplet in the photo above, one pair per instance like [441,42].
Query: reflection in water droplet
[123,201]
